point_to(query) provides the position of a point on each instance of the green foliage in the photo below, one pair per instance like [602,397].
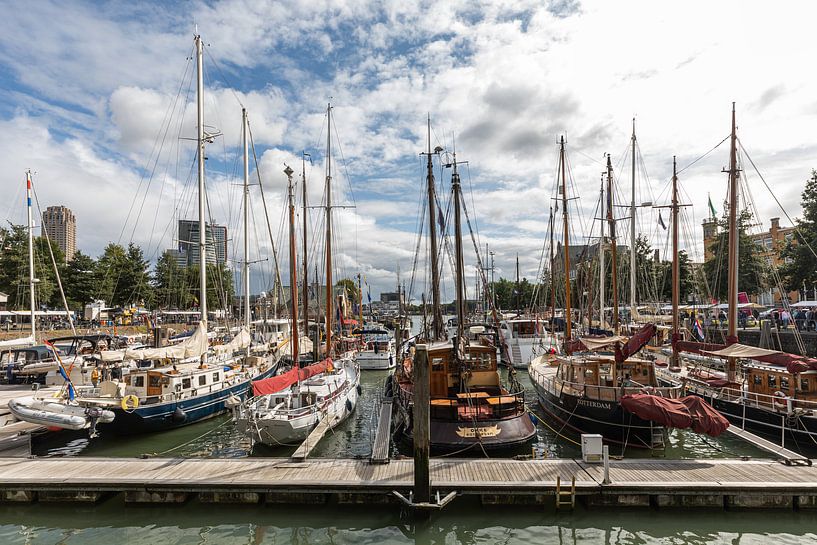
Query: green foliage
[170,284]
[799,266]
[220,287]
[350,286]
[750,265]
[79,280]
[14,269]
[505,293]
[123,276]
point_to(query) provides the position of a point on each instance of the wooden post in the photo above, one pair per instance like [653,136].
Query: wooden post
[422,424]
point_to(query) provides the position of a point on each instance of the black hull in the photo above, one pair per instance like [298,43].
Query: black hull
[606,418]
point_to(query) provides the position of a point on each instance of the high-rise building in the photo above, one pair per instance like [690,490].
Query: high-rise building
[61,225]
[188,250]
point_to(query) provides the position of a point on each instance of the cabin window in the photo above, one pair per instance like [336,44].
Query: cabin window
[438,364]
[139,381]
[804,384]
[784,383]
[215,377]
[154,381]
[645,372]
[202,380]
[772,381]
[758,380]
[185,383]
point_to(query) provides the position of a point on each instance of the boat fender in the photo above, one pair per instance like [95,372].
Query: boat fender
[179,415]
[359,389]
[130,403]
[349,405]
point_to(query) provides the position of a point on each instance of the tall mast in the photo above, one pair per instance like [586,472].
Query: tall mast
[733,246]
[632,234]
[329,297]
[305,280]
[246,264]
[31,279]
[676,277]
[566,246]
[202,196]
[602,267]
[458,258]
[436,310]
[611,222]
[518,288]
[552,280]
[359,300]
[293,271]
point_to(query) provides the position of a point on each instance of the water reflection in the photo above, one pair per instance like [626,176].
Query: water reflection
[463,523]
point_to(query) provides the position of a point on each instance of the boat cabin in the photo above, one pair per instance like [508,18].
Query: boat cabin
[768,381]
[13,361]
[153,386]
[522,329]
[604,379]
[445,373]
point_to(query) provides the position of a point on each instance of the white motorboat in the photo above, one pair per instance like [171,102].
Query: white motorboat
[286,417]
[526,339]
[378,351]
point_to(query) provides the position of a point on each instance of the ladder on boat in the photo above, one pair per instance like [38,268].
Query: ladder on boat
[516,354]
[658,440]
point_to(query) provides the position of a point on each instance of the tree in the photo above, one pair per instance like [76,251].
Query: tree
[350,286]
[220,288]
[79,280]
[170,284]
[798,267]
[123,275]
[14,268]
[750,265]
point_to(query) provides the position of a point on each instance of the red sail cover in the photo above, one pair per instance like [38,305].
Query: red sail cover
[277,383]
[686,412]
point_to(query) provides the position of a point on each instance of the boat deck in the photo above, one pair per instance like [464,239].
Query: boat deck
[710,483]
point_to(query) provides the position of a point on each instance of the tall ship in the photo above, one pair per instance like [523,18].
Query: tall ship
[471,411]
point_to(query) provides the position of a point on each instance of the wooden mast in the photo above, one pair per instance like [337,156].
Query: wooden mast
[566,246]
[611,223]
[293,272]
[632,236]
[329,296]
[676,277]
[305,279]
[458,256]
[733,248]
[518,288]
[552,281]
[602,266]
[436,310]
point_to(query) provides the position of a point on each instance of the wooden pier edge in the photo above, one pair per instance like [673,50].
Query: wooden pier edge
[733,484]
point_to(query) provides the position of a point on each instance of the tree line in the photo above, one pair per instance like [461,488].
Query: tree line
[121,276]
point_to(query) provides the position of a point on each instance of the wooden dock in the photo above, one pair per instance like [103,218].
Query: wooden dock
[634,483]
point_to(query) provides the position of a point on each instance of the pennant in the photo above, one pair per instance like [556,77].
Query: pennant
[661,221]
[440,218]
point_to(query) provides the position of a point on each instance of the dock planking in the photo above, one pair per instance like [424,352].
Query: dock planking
[730,482]
[314,437]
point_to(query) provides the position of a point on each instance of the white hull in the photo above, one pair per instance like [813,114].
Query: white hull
[268,419]
[376,362]
[59,414]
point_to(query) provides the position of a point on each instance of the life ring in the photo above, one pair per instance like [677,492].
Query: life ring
[780,400]
[130,403]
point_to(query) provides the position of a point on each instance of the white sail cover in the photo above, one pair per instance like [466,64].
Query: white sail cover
[26,341]
[241,340]
[304,347]
[194,346]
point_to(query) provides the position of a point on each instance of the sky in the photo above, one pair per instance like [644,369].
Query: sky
[98,100]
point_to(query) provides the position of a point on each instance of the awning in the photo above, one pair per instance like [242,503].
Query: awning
[738,350]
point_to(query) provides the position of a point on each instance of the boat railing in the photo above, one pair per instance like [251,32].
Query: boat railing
[777,402]
[601,392]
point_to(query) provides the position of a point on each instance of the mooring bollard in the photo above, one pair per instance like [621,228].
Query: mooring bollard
[605,456]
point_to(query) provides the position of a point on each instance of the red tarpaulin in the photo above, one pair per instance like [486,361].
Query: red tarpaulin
[284,380]
[686,412]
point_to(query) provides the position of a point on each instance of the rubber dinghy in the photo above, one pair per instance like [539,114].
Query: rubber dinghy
[59,414]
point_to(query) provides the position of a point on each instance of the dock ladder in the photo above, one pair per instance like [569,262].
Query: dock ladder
[565,498]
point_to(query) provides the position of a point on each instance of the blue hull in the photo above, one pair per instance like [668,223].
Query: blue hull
[165,416]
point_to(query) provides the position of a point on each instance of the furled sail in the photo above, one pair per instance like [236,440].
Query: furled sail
[240,341]
[192,347]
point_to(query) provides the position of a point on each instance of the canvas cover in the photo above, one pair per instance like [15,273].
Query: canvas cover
[277,383]
[685,412]
[26,341]
[194,346]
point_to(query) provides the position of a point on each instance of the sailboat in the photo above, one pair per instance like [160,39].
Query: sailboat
[470,409]
[286,408]
[773,393]
[189,381]
[587,392]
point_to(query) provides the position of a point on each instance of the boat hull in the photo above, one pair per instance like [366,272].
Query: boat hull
[606,418]
[169,415]
[376,362]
